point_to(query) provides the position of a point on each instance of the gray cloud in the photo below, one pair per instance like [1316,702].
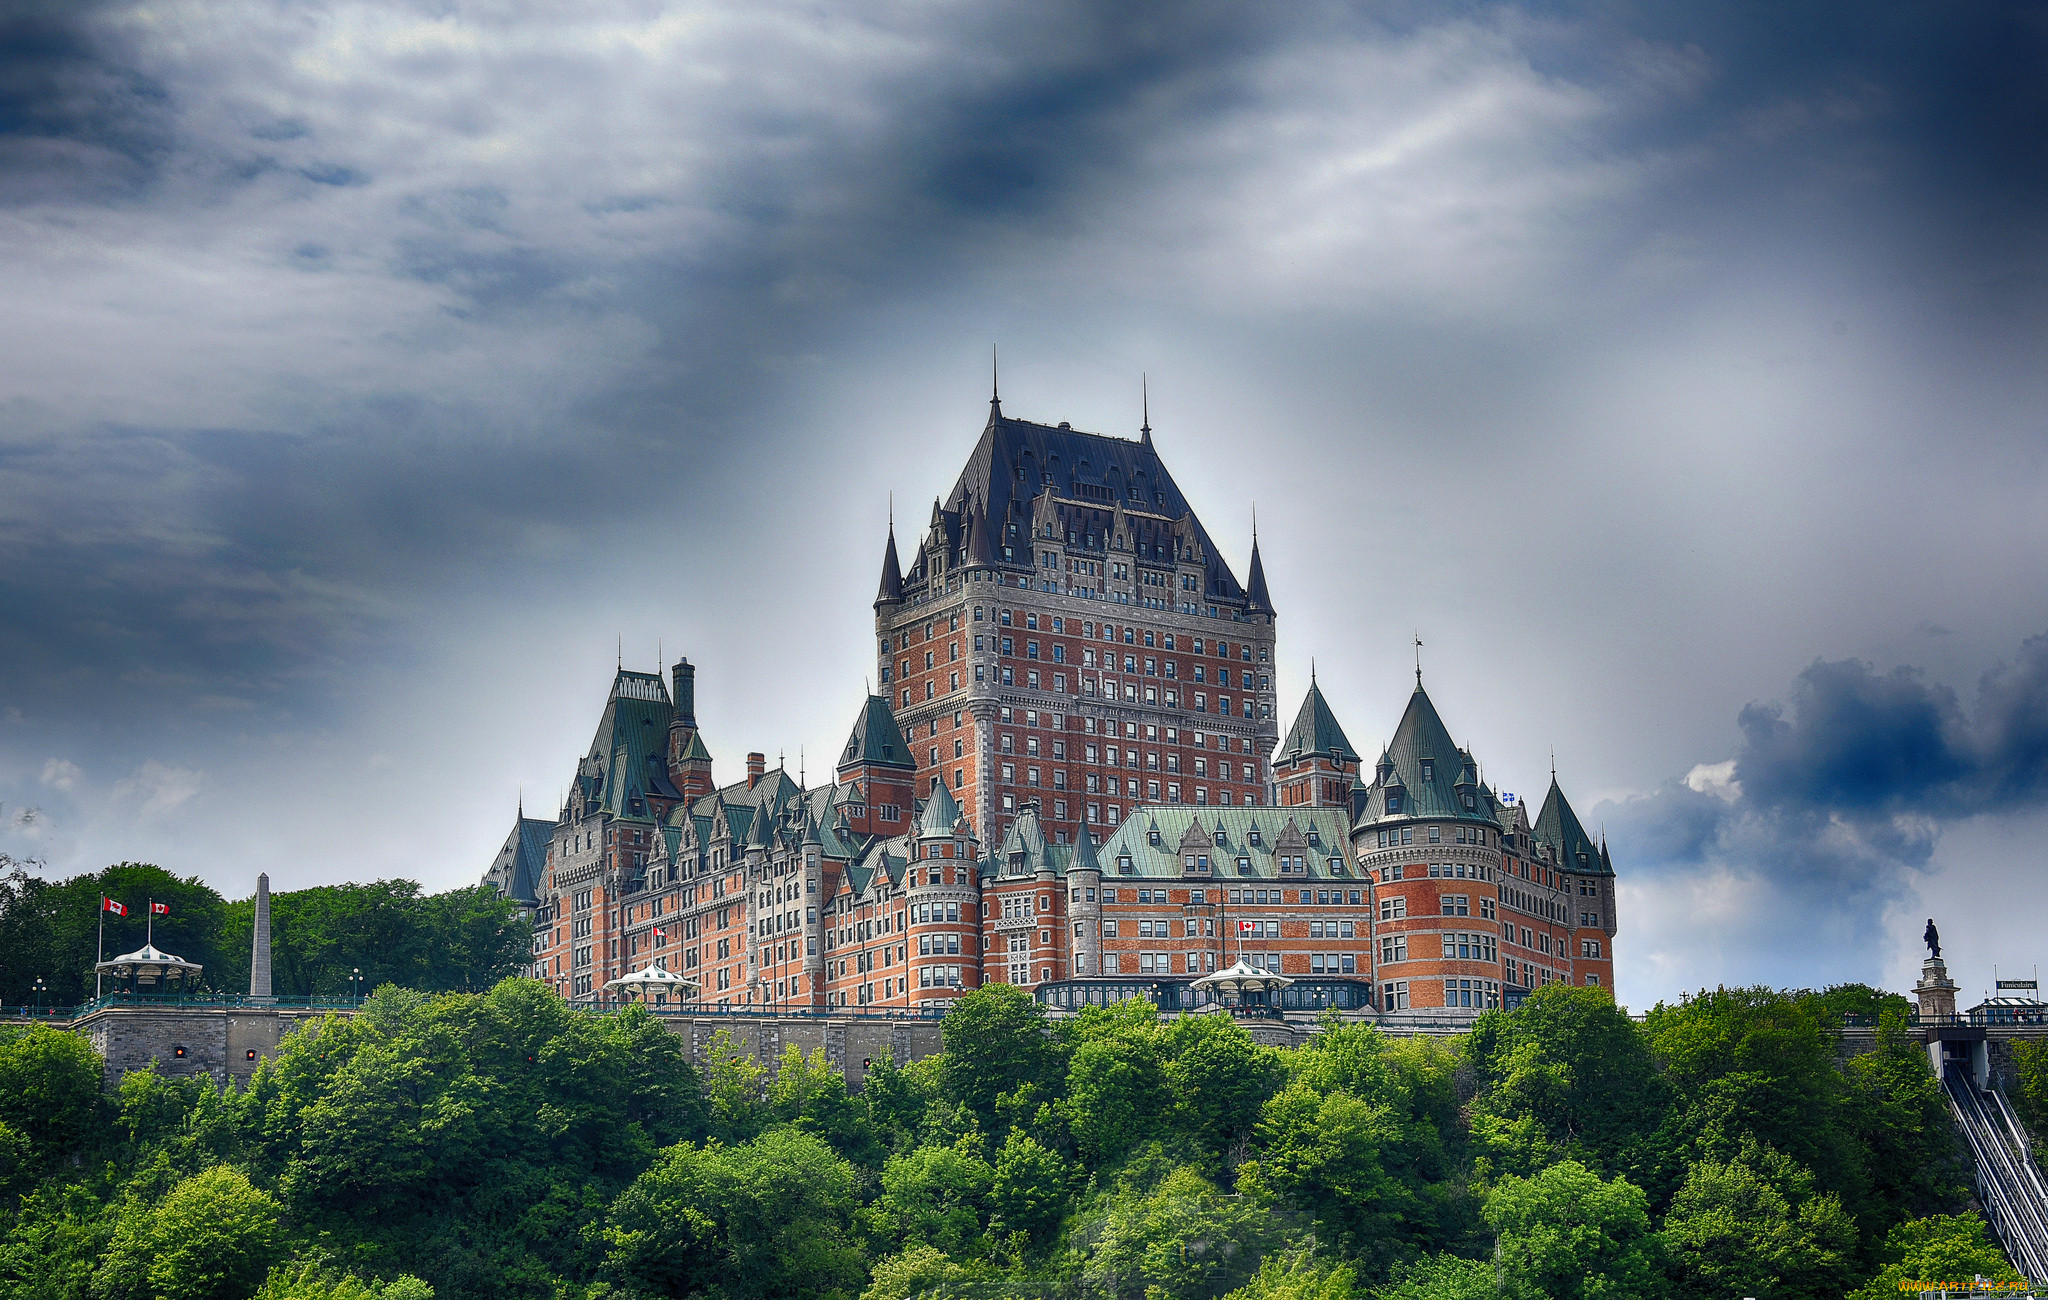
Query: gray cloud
[356,359]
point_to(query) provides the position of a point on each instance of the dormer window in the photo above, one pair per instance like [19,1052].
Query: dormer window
[1393,803]
[1152,837]
[1428,769]
[1123,865]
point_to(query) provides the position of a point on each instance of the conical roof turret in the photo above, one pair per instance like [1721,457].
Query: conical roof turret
[941,813]
[1256,599]
[892,573]
[1559,827]
[1315,731]
[876,740]
[1084,858]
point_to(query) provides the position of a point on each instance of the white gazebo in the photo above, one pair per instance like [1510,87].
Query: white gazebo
[1231,984]
[148,970]
[655,983]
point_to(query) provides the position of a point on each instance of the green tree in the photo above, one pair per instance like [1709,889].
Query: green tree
[735,1087]
[1181,1239]
[918,1271]
[935,1196]
[1116,1090]
[466,939]
[2030,1064]
[995,1042]
[49,1089]
[1028,1193]
[1940,1249]
[1442,1277]
[213,1237]
[1730,1232]
[1324,1154]
[767,1218]
[809,1095]
[1296,1277]
[1565,1076]
[1894,1112]
[51,931]
[1567,1235]
[1220,1081]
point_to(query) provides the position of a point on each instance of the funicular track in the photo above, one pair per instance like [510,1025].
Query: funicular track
[2009,1183]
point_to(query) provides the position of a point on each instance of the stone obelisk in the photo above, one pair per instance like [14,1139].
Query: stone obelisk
[259,956]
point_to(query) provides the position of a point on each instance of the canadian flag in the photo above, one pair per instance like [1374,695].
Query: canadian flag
[109,905]
[660,933]
[1243,926]
[159,909]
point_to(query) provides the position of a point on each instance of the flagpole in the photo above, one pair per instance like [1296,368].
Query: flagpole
[100,954]
[149,934]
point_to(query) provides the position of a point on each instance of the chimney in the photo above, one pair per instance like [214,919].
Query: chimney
[756,765]
[259,956]
[684,677]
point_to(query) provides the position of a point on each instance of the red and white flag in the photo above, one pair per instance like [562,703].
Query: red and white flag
[660,933]
[1243,926]
[109,905]
[159,909]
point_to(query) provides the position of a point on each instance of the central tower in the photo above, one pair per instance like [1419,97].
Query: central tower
[1066,634]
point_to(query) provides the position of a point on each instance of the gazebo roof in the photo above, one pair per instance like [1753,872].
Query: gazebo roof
[1242,976]
[146,956]
[654,978]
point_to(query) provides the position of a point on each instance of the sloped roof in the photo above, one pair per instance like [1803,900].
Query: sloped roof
[941,812]
[1422,744]
[892,574]
[1256,599]
[625,762]
[876,740]
[518,868]
[1008,467]
[1558,826]
[1328,831]
[1315,731]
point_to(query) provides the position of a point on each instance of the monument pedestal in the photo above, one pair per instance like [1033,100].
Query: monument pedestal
[1936,992]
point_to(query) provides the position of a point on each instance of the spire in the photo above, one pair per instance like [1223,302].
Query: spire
[941,812]
[1418,663]
[876,740]
[995,388]
[1257,601]
[1145,405]
[891,592]
[1315,731]
[1084,858]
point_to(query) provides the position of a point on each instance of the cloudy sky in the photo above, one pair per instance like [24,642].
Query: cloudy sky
[369,373]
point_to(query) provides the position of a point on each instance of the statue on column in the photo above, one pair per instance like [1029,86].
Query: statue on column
[1932,938]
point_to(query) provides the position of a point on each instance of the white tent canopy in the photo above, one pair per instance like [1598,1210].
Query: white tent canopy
[148,969]
[1234,982]
[655,982]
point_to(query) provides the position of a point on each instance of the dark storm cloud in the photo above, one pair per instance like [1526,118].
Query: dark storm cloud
[323,328]
[1833,805]
[77,119]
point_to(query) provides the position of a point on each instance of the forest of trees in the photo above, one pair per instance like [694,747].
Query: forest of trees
[464,939]
[505,1144]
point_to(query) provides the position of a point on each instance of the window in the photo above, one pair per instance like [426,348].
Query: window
[1394,996]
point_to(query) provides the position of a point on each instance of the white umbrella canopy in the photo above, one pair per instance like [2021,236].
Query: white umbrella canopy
[1240,979]
[655,982]
[149,967]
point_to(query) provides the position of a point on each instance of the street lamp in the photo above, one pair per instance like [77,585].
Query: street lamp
[40,990]
[356,978]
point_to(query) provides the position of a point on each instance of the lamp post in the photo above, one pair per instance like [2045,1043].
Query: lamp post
[40,990]
[356,978]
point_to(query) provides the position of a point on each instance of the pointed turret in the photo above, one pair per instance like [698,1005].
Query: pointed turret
[876,740]
[941,813]
[1256,599]
[1084,858]
[1559,827]
[1315,732]
[892,574]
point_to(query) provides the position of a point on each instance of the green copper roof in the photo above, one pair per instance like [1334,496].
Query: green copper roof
[876,740]
[941,812]
[1558,826]
[1319,835]
[1315,731]
[695,751]
[1429,773]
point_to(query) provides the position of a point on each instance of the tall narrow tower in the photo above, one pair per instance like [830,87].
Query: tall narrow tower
[259,956]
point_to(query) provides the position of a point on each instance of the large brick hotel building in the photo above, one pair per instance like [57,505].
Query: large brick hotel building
[1071,779]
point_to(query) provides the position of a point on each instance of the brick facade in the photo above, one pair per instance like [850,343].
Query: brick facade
[1072,772]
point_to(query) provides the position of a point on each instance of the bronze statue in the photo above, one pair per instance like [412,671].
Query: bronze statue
[1932,938]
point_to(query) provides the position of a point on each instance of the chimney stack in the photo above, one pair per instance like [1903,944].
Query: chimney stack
[684,678]
[259,956]
[756,765]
